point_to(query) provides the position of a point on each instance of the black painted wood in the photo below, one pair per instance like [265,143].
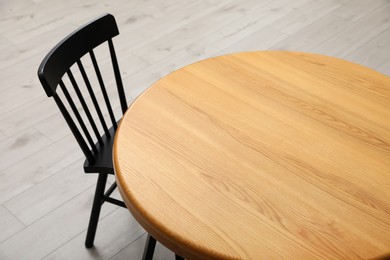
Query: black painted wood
[72,48]
[96,146]
[57,65]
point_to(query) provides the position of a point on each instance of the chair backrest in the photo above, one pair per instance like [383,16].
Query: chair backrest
[55,70]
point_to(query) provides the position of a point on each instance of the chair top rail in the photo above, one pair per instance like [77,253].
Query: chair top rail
[72,48]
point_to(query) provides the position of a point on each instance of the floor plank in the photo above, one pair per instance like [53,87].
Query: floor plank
[357,34]
[303,16]
[373,53]
[188,33]
[9,224]
[314,34]
[263,39]
[255,20]
[354,10]
[166,24]
[26,116]
[50,194]
[53,230]
[384,67]
[21,145]
[116,231]
[33,169]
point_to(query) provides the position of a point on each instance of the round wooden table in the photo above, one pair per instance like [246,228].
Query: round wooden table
[261,155]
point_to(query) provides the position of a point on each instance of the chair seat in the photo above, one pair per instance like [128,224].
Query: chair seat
[103,158]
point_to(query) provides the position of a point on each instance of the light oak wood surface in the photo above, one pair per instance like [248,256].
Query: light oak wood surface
[267,155]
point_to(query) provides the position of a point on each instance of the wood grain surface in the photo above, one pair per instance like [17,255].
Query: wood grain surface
[261,155]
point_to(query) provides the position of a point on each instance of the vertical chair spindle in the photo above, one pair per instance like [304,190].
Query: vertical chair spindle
[103,89]
[85,107]
[93,97]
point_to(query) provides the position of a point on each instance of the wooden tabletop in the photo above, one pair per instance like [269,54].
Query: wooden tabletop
[261,155]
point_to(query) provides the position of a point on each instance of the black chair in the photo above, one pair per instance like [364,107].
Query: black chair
[60,66]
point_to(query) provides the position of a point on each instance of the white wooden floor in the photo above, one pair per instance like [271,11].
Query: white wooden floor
[45,198]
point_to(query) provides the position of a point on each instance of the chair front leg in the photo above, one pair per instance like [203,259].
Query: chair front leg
[96,207]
